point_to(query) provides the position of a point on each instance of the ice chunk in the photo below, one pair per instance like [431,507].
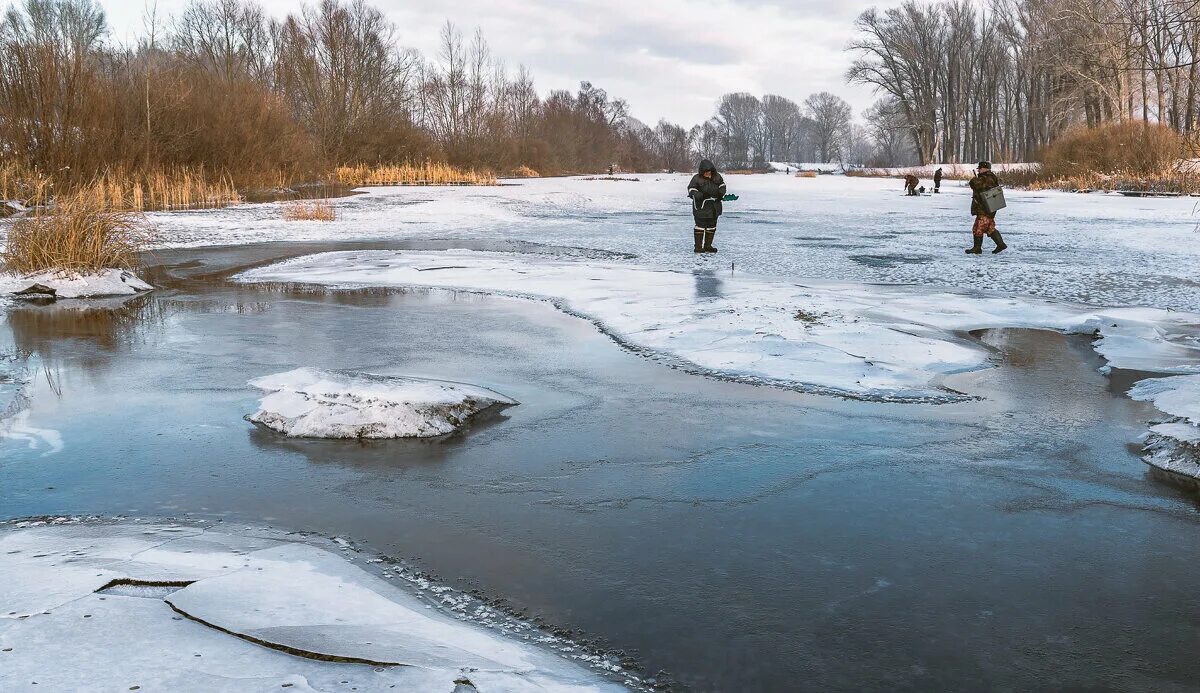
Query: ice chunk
[312,403]
[110,282]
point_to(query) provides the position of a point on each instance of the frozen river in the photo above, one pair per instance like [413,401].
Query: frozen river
[739,537]
[1099,249]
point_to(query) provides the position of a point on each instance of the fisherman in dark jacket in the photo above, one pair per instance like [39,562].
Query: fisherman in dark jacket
[706,190]
[937,181]
[910,184]
[985,221]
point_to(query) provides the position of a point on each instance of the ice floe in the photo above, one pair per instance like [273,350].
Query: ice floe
[111,282]
[313,403]
[235,610]
[872,341]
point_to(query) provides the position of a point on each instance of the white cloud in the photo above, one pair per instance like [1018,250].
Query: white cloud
[668,58]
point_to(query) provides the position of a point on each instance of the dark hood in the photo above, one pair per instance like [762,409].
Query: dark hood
[707,165]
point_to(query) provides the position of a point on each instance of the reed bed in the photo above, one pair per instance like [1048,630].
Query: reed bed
[77,233]
[28,186]
[524,171]
[429,173]
[311,210]
[806,174]
[163,189]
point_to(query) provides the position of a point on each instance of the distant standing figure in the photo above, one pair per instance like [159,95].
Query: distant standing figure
[937,181]
[910,184]
[611,169]
[706,190]
[985,221]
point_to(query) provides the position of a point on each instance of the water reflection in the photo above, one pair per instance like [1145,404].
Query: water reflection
[708,285]
[106,323]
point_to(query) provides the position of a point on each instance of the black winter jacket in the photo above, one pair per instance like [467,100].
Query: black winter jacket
[706,193]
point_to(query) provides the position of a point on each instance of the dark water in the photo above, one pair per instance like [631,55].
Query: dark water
[741,538]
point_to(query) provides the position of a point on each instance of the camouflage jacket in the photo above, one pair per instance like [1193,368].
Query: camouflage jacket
[983,181]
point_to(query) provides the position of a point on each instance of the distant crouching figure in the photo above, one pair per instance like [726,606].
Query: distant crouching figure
[910,184]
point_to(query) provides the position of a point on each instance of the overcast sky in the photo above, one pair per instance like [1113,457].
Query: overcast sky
[668,58]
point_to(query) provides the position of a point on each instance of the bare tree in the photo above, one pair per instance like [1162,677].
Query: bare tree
[831,117]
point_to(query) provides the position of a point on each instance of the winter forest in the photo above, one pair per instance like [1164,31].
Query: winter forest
[225,86]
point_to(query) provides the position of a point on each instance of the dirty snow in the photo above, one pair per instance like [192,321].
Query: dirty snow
[312,403]
[111,282]
[244,600]
[875,342]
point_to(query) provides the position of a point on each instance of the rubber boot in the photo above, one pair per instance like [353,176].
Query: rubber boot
[1000,244]
[699,241]
[977,248]
[708,239]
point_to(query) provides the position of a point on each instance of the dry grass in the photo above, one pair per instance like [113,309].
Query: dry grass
[430,173]
[78,233]
[179,187]
[174,188]
[806,174]
[525,172]
[312,210]
[29,186]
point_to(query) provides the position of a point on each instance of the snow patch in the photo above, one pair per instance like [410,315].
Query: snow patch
[110,282]
[312,403]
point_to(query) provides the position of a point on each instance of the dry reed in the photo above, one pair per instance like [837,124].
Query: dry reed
[315,210]
[78,233]
[179,187]
[806,174]
[28,186]
[430,173]
[524,171]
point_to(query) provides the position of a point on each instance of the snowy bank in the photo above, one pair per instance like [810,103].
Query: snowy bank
[162,607]
[110,282]
[1173,447]
[860,340]
[312,403]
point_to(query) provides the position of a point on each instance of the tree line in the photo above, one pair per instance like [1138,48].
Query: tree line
[227,87]
[1003,80]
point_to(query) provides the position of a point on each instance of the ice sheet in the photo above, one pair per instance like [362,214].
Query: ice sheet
[259,613]
[871,341]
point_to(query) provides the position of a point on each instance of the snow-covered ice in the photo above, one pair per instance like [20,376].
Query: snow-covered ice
[111,282]
[884,342]
[312,403]
[1173,446]
[1178,396]
[250,610]
[1097,249]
